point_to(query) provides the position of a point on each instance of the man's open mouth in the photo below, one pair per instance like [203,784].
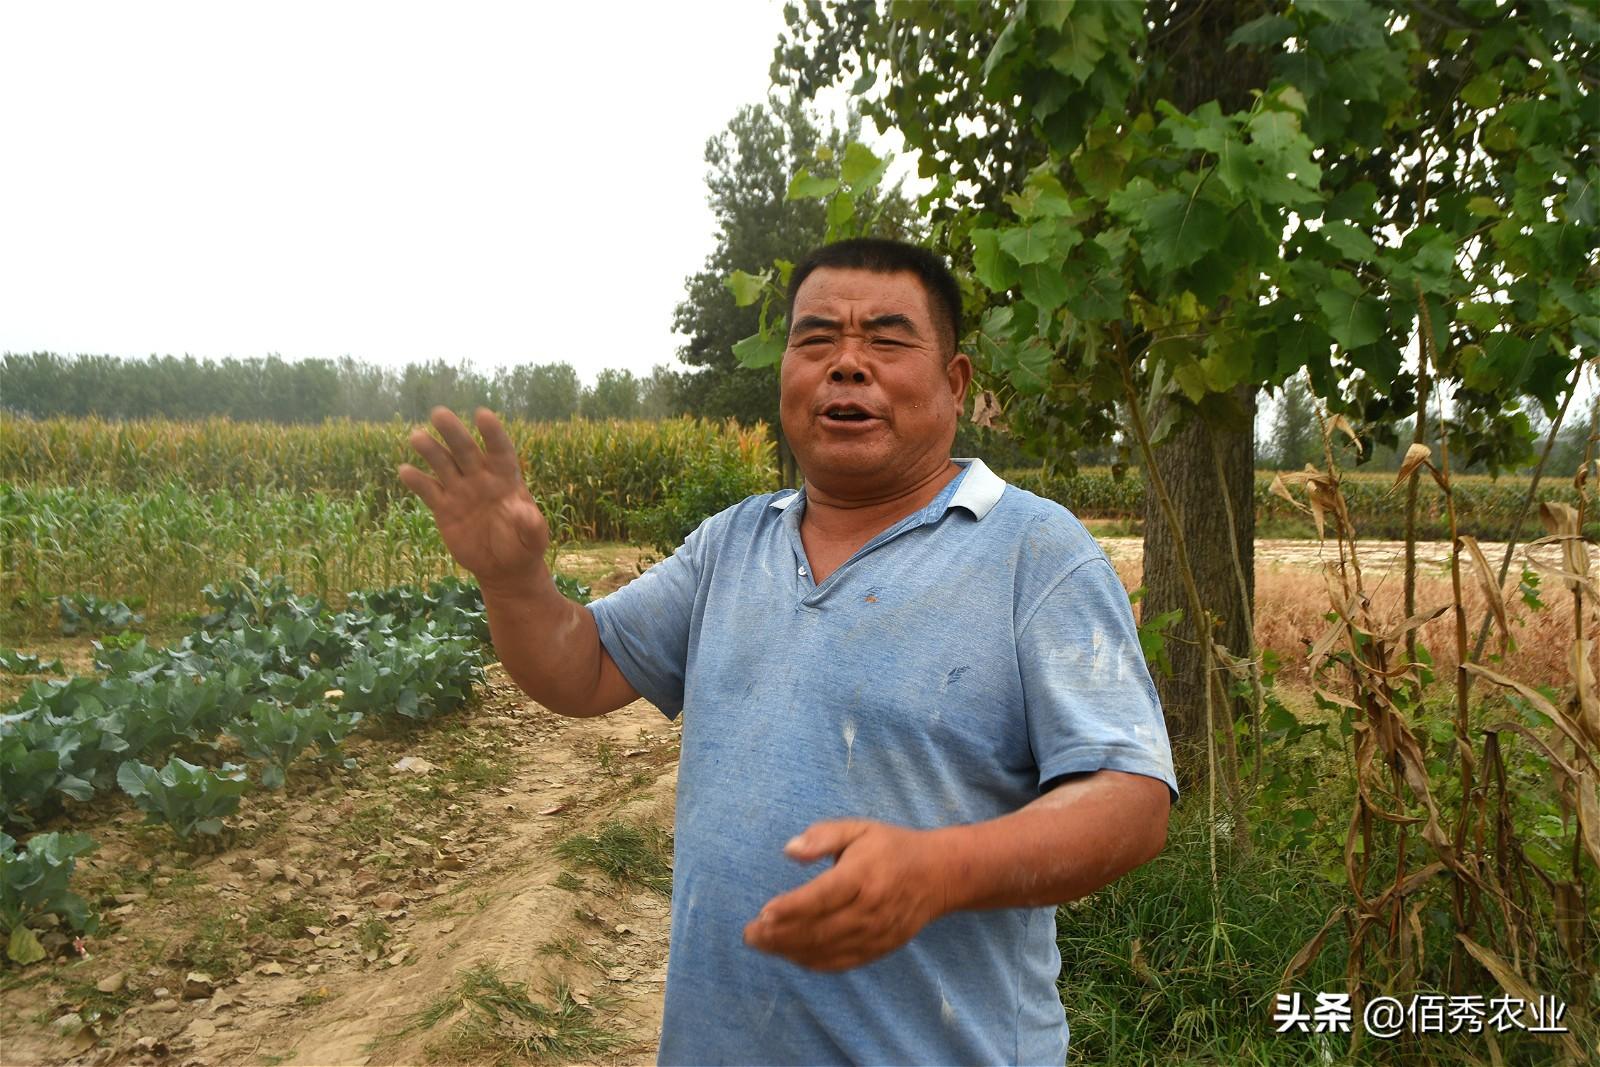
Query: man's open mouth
[845,413]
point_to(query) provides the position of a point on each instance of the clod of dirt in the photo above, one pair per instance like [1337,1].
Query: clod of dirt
[197,985]
[113,984]
[414,764]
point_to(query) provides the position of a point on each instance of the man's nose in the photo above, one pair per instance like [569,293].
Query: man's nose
[848,363]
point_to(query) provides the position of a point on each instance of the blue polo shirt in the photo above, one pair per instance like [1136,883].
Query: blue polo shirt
[959,662]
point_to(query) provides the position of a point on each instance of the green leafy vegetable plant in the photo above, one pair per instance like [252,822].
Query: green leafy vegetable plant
[84,613]
[188,798]
[14,662]
[33,883]
[276,734]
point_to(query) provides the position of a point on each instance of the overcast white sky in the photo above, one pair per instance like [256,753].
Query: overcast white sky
[499,182]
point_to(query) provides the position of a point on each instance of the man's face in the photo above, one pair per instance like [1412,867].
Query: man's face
[868,403]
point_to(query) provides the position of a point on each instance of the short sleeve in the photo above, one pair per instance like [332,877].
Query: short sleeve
[1088,696]
[645,625]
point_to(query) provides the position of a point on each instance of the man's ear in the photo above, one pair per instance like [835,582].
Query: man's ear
[958,373]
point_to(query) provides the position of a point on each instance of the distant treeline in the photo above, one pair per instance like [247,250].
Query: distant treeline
[272,389]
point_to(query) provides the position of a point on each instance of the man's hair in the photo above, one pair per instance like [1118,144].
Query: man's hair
[883,256]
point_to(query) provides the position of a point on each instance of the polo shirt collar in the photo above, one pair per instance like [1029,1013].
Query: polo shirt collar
[979,491]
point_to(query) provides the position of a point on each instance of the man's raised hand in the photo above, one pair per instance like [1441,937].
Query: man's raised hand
[485,514]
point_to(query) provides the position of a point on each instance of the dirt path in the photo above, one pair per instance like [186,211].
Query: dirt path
[368,919]
[1376,556]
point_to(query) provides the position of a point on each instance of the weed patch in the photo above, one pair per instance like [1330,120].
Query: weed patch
[624,852]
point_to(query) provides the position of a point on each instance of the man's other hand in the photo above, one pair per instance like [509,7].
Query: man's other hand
[883,888]
[486,516]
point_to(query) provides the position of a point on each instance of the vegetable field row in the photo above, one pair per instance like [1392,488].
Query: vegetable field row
[266,676]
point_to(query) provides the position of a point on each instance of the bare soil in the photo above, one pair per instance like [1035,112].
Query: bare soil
[453,868]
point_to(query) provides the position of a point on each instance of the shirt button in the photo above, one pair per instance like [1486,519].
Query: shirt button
[802,572]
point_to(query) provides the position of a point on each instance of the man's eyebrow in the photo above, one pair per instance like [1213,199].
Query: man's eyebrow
[813,322]
[894,320]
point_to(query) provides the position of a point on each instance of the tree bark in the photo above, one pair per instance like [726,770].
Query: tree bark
[1187,465]
[1194,33]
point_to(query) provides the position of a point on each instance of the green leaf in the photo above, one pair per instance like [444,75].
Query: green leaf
[1180,229]
[1053,14]
[841,209]
[1266,30]
[1351,242]
[1352,319]
[1044,286]
[1484,207]
[1094,294]
[996,270]
[806,186]
[1482,92]
[23,947]
[1032,370]
[746,288]
[1043,196]
[1082,47]
[759,350]
[1030,244]
[1191,378]
[861,169]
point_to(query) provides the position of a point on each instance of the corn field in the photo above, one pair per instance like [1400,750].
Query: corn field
[592,472]
[155,511]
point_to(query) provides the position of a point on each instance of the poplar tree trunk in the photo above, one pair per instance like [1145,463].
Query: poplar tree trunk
[1189,469]
[1198,31]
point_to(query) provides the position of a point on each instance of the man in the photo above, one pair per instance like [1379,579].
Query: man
[915,715]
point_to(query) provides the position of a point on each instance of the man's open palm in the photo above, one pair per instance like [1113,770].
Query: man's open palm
[486,515]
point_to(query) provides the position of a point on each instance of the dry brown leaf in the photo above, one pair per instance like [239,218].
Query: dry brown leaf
[1407,625]
[1414,917]
[1580,662]
[986,411]
[1281,489]
[1561,520]
[1571,920]
[1416,455]
[1309,950]
[1589,815]
[1538,742]
[1491,588]
[1342,424]
[1509,980]
[1533,696]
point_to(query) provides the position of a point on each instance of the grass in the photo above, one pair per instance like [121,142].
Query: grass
[213,948]
[570,882]
[373,934]
[625,852]
[285,922]
[500,1022]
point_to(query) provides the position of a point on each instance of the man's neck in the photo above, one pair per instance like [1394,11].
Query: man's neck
[860,518]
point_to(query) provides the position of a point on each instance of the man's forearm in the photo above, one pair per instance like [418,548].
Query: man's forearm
[548,644]
[1080,836]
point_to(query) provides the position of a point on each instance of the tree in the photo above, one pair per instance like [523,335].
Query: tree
[1180,204]
[759,223]
[661,394]
[539,392]
[749,164]
[1296,438]
[615,395]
